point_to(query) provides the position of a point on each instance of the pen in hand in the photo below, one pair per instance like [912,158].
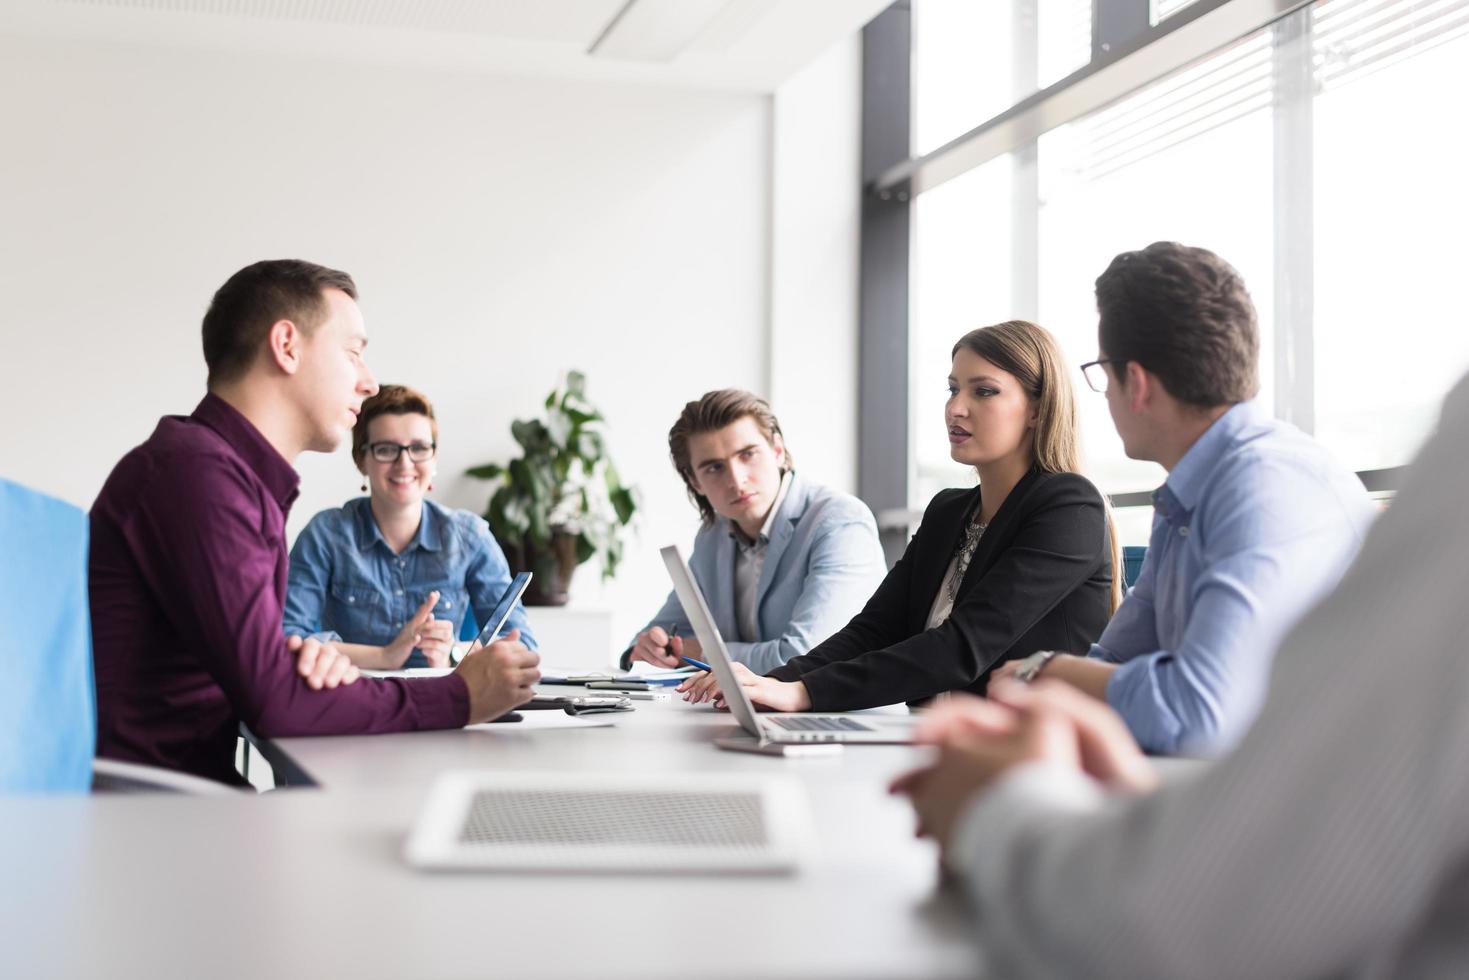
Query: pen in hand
[668,649]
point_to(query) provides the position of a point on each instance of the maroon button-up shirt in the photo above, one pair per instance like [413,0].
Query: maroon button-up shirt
[188,581]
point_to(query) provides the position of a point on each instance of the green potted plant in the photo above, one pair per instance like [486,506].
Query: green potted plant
[561,502]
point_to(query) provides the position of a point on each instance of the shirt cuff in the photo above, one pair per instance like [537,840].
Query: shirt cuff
[986,830]
[1134,692]
[321,636]
[446,704]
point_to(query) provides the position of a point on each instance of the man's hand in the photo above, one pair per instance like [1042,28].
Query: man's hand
[981,740]
[655,646]
[767,691]
[419,628]
[322,664]
[1086,674]
[499,677]
[1006,671]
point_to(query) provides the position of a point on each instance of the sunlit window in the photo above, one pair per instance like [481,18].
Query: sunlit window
[1370,234]
[1391,209]
[961,274]
[963,67]
[1188,160]
[1163,9]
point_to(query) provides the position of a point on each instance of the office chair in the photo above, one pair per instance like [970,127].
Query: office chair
[48,710]
[1132,564]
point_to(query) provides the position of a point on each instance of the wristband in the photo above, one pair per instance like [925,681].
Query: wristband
[1032,665]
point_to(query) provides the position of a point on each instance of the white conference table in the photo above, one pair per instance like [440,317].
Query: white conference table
[311,882]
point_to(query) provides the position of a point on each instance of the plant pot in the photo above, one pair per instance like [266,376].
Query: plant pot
[552,581]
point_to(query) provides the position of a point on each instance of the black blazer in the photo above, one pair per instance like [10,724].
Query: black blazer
[1040,579]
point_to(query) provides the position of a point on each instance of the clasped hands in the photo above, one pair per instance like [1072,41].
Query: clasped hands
[980,739]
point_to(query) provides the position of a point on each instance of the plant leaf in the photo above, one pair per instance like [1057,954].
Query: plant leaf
[623,503]
[585,549]
[532,435]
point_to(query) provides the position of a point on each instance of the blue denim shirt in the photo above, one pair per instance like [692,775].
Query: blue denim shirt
[346,584]
[1253,526]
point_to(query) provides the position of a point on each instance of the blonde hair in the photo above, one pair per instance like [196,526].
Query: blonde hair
[1032,356]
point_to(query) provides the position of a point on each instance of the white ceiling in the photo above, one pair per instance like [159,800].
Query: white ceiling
[740,45]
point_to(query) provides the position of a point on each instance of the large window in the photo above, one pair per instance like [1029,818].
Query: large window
[1185,160]
[973,60]
[1391,217]
[1322,156]
[961,275]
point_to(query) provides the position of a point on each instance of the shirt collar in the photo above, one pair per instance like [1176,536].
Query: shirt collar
[280,478]
[429,536]
[1187,480]
[780,499]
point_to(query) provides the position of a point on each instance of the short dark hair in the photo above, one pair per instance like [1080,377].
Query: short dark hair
[1184,314]
[712,412]
[390,400]
[255,298]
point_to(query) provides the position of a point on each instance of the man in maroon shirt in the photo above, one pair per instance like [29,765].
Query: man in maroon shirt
[188,558]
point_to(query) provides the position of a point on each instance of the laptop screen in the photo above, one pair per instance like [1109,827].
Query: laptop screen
[691,597]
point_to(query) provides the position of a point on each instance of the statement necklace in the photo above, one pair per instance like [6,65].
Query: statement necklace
[965,553]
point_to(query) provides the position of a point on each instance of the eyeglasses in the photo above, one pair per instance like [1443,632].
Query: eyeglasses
[1096,375]
[388,452]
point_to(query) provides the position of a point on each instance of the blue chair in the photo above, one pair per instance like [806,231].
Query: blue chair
[48,714]
[48,701]
[1132,564]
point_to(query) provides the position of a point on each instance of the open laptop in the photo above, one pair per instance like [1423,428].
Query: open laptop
[870,729]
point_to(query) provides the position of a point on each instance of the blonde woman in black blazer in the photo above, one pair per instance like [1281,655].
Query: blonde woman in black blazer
[1026,561]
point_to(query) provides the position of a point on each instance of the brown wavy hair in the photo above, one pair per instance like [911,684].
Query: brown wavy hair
[710,413]
[1030,354]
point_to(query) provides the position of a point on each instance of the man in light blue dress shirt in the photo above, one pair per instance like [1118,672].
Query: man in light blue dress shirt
[1255,523]
[783,562]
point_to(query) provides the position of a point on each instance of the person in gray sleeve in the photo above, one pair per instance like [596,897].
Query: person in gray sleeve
[783,562]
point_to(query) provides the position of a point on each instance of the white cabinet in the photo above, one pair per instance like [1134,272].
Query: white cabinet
[574,637]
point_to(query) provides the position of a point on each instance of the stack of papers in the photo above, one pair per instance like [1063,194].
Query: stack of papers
[409,672]
[653,677]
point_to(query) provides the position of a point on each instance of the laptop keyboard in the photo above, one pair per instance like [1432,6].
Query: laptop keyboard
[819,723]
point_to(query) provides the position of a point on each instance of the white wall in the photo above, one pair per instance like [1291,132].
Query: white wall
[816,210]
[502,230]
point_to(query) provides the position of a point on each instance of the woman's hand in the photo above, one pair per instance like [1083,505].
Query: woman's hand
[414,633]
[436,639]
[765,691]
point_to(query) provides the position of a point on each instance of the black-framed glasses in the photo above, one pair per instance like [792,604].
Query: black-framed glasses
[388,452]
[1096,375]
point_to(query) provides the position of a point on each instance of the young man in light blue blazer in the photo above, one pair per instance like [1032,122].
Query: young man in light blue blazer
[784,563]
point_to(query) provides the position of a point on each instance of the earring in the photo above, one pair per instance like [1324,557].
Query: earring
[430,485]
[364,486]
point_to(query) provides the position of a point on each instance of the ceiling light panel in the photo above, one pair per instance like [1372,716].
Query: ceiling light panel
[563,21]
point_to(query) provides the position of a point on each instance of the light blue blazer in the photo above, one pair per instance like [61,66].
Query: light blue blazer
[823,563]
